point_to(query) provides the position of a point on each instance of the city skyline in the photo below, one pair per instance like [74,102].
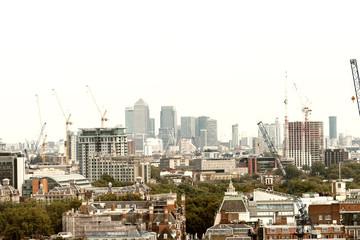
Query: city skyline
[226,61]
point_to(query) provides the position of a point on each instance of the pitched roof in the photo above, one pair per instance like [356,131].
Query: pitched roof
[233,206]
[141,102]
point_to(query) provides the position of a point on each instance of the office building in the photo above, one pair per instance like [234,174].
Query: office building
[201,123]
[168,126]
[203,138]
[335,156]
[12,167]
[151,132]
[235,135]
[121,168]
[332,127]
[212,133]
[129,120]
[306,142]
[187,127]
[141,117]
[108,141]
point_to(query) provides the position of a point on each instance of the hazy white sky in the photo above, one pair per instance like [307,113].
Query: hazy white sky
[223,59]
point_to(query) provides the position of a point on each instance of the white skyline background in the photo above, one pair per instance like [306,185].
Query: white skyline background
[222,59]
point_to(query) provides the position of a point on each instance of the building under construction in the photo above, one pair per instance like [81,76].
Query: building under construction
[306,142]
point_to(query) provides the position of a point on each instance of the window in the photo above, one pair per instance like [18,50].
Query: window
[165,236]
[354,207]
[320,217]
[327,217]
[342,208]
[348,207]
[352,232]
[272,230]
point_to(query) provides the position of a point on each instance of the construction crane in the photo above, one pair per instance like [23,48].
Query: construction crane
[39,138]
[67,120]
[101,114]
[306,112]
[43,136]
[303,217]
[355,74]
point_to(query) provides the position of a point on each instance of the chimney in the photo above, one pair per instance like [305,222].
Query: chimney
[83,208]
[151,214]
[112,207]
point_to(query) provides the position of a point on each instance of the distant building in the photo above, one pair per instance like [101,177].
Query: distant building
[257,165]
[257,146]
[200,123]
[107,141]
[203,138]
[229,232]
[173,162]
[187,127]
[306,146]
[334,156]
[73,146]
[129,120]
[121,168]
[212,136]
[141,117]
[216,165]
[235,135]
[168,126]
[332,127]
[151,128]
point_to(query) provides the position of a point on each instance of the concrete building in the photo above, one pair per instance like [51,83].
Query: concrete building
[257,165]
[121,168]
[187,127]
[235,135]
[141,117]
[334,156]
[332,127]
[216,165]
[12,167]
[107,141]
[212,136]
[173,162]
[186,146]
[257,146]
[203,138]
[306,142]
[129,120]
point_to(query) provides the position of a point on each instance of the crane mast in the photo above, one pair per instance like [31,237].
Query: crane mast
[355,74]
[303,217]
[97,106]
[43,136]
[67,120]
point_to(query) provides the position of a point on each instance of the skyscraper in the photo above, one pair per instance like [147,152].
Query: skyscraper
[332,127]
[212,132]
[235,135]
[168,125]
[187,127]
[151,127]
[141,117]
[311,149]
[201,123]
[129,119]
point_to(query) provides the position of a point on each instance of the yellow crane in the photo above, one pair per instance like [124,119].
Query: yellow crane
[41,124]
[101,114]
[67,120]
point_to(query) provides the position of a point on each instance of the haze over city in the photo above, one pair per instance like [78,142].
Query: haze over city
[226,60]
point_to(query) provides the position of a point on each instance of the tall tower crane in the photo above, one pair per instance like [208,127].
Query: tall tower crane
[67,120]
[355,74]
[306,112]
[303,217]
[43,136]
[101,114]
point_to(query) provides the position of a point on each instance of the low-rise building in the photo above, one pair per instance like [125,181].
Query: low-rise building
[159,213]
[229,232]
[8,193]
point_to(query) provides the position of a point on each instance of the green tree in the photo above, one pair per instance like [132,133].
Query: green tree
[317,169]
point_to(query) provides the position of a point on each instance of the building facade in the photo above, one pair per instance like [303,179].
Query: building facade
[141,117]
[306,142]
[332,127]
[235,135]
[12,167]
[121,168]
[212,136]
[129,120]
[334,156]
[107,141]
[168,126]
[187,127]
